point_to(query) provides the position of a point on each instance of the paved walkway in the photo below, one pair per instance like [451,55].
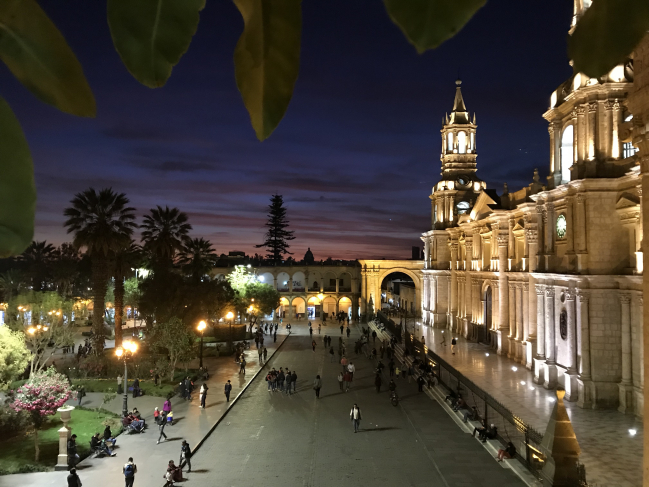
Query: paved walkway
[192,424]
[613,458]
[276,440]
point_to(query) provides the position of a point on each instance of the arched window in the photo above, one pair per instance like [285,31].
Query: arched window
[449,142]
[461,142]
[567,153]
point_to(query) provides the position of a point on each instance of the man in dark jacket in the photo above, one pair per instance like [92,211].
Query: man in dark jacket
[294,380]
[185,456]
[73,457]
[228,389]
[73,478]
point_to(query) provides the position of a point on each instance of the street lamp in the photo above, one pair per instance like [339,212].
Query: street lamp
[126,351]
[201,327]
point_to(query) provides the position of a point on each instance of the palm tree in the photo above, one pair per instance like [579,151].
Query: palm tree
[11,283]
[103,223]
[37,258]
[164,234]
[197,258]
[123,262]
[65,269]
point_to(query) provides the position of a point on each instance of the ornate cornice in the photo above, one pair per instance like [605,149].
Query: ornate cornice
[540,289]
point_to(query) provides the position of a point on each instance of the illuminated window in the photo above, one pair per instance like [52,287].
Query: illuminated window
[462,207]
[567,153]
[449,142]
[461,142]
[628,149]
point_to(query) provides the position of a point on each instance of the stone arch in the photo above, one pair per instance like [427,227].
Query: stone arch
[283,281]
[329,281]
[299,281]
[298,307]
[266,278]
[345,286]
[345,304]
[329,305]
[283,310]
[412,305]
[314,281]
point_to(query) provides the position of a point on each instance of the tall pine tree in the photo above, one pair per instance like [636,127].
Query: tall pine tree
[277,236]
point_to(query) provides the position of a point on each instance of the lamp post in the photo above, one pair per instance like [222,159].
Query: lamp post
[230,318]
[126,351]
[201,327]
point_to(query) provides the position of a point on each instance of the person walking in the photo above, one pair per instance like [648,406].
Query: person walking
[265,354]
[378,382]
[294,380]
[313,345]
[453,345]
[310,331]
[274,336]
[129,470]
[81,392]
[355,416]
[348,331]
[331,354]
[203,394]
[161,428]
[373,336]
[391,367]
[443,342]
[317,385]
[319,327]
[166,407]
[260,352]
[420,383]
[73,478]
[351,368]
[228,389]
[185,456]
[340,381]
[242,369]
[73,456]
[347,379]
[342,329]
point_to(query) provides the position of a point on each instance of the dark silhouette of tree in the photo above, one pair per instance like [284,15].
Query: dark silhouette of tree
[277,235]
[103,223]
[122,263]
[164,235]
[37,260]
[197,258]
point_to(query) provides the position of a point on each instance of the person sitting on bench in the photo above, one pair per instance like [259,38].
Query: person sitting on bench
[98,446]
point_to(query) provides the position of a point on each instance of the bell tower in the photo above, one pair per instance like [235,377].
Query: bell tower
[456,193]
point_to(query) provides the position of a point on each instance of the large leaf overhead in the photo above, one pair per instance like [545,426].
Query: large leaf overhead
[267,59]
[606,34]
[36,53]
[17,188]
[428,23]
[152,35]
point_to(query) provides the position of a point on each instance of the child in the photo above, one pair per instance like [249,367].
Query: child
[170,418]
[156,415]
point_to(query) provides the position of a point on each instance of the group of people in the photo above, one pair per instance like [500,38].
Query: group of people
[282,381]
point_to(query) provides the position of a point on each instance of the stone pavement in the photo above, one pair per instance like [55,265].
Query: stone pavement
[192,424]
[613,458]
[274,440]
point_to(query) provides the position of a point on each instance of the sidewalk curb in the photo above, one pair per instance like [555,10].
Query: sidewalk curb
[233,402]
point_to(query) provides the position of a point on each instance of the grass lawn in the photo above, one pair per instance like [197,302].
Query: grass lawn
[17,453]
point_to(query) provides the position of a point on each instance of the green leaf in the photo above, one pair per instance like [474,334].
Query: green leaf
[152,35]
[606,34]
[17,188]
[36,53]
[267,59]
[428,23]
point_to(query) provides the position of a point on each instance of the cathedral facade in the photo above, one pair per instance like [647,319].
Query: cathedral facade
[549,275]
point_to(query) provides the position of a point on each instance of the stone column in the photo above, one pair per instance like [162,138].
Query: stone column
[454,249]
[584,381]
[571,338]
[592,131]
[519,324]
[570,237]
[426,253]
[626,386]
[503,292]
[468,242]
[363,291]
[526,318]
[511,345]
[539,360]
[550,350]
[540,238]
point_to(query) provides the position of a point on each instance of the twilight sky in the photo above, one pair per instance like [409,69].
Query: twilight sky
[357,152]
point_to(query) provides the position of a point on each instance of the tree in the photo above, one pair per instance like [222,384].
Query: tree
[122,261]
[277,235]
[64,268]
[37,260]
[132,294]
[11,283]
[251,296]
[103,223]
[14,355]
[164,235]
[197,258]
[43,318]
[173,336]
[41,396]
